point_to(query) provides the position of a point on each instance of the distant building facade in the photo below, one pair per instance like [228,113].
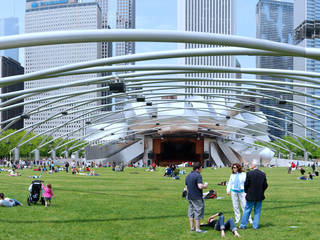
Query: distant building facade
[126,19]
[9,26]
[275,23]
[59,15]
[106,48]
[10,67]
[307,30]
[211,16]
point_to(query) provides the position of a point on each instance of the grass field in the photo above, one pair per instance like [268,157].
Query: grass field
[144,205]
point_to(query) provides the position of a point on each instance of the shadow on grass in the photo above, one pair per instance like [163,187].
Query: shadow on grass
[93,220]
[266,225]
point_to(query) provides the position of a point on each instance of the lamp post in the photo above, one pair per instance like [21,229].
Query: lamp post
[8,143]
[313,152]
[30,145]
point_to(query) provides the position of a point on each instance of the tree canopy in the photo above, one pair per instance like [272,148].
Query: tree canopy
[25,150]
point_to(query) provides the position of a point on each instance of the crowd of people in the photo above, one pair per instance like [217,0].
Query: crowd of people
[295,166]
[245,189]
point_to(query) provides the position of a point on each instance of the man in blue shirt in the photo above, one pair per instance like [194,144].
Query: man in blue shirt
[194,188]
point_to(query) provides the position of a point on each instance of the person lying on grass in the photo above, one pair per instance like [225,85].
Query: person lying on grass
[220,225]
[8,202]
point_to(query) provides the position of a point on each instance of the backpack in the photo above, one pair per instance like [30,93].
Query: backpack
[211,194]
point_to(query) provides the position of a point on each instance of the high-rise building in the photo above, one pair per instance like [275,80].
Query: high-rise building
[275,23]
[9,26]
[46,16]
[307,29]
[106,47]
[211,16]
[10,67]
[126,19]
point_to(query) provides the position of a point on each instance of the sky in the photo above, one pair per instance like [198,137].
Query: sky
[154,14]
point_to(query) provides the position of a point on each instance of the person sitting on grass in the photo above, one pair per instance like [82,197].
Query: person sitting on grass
[12,173]
[92,173]
[220,225]
[303,177]
[168,172]
[8,202]
[75,171]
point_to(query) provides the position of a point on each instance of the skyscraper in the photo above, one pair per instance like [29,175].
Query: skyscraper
[275,23]
[10,67]
[45,16]
[9,26]
[307,29]
[106,47]
[126,19]
[211,16]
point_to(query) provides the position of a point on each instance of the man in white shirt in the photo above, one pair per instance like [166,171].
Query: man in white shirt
[7,202]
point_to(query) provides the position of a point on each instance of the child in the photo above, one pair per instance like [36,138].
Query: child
[48,194]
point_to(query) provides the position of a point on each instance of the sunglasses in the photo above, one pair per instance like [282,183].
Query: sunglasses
[235,167]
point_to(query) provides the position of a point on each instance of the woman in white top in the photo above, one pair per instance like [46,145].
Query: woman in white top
[235,186]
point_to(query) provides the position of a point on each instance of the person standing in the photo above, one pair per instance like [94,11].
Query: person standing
[67,166]
[235,186]
[254,186]
[47,194]
[194,188]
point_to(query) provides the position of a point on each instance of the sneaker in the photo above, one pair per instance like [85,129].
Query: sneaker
[250,221]
[191,230]
[241,227]
[201,231]
[236,234]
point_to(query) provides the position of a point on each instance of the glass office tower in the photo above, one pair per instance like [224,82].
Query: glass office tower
[275,23]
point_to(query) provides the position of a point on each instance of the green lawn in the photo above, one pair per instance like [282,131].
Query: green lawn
[144,205]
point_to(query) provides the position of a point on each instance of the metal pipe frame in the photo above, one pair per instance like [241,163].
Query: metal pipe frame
[249,80]
[45,109]
[190,108]
[264,48]
[141,131]
[219,80]
[132,58]
[136,35]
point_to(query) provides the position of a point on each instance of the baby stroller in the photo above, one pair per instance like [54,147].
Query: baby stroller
[35,190]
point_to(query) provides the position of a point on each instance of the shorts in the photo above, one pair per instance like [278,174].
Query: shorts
[196,209]
[47,199]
